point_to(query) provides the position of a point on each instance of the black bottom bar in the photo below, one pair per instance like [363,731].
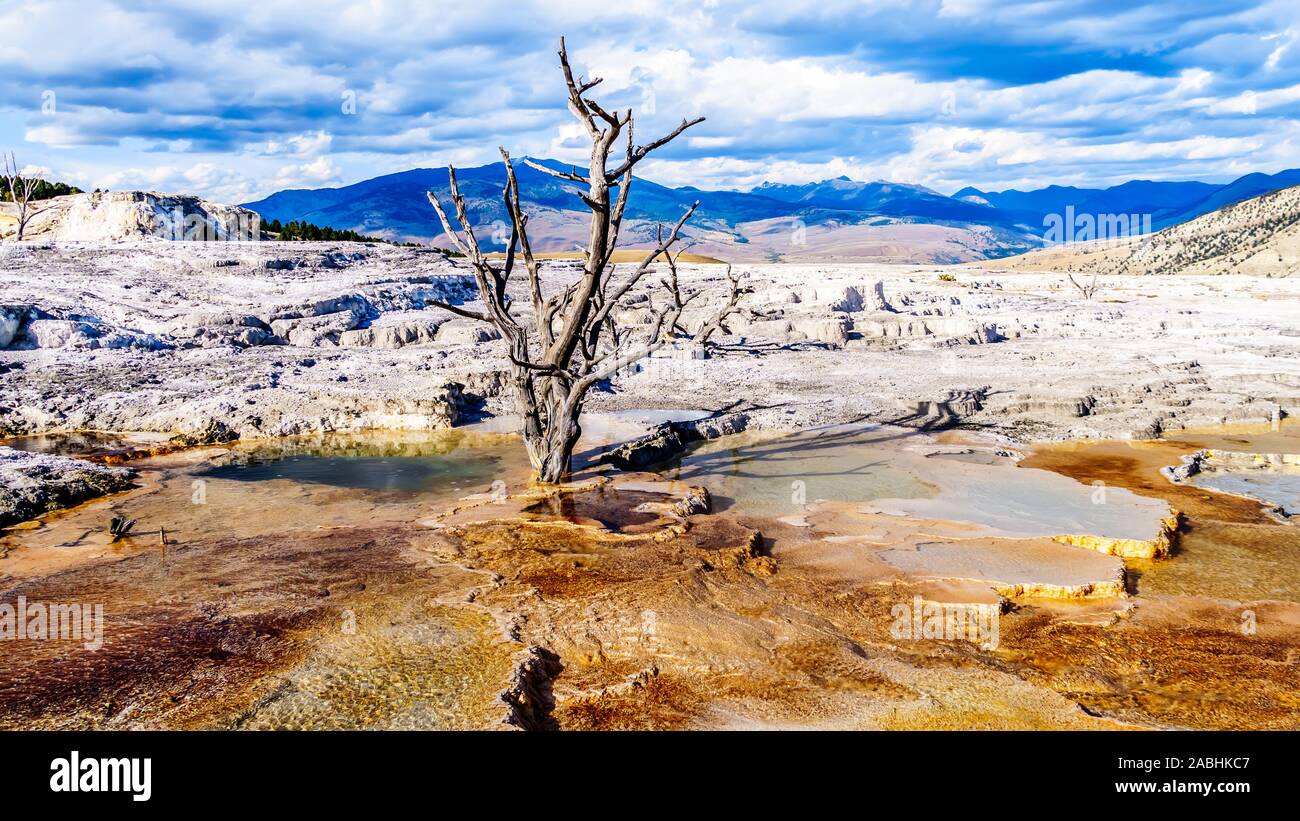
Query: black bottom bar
[216,770]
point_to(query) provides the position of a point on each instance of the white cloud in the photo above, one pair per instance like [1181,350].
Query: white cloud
[939,92]
[1279,51]
[309,144]
[317,173]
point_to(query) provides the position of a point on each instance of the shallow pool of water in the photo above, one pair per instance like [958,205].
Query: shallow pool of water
[87,444]
[63,443]
[340,481]
[457,471]
[1229,548]
[909,473]
[1276,488]
[273,487]
[778,474]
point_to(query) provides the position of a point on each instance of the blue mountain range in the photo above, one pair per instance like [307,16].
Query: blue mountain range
[395,205]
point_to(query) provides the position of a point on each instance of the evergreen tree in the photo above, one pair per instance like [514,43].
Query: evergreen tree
[43,191]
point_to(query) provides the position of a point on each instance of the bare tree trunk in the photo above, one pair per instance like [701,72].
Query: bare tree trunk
[1087,291]
[572,343]
[21,189]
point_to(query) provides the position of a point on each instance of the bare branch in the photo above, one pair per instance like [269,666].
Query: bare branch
[491,283]
[564,175]
[640,270]
[446,224]
[624,188]
[719,322]
[640,153]
[603,114]
[520,221]
[576,90]
[611,365]
[463,218]
[547,369]
[1086,290]
[468,314]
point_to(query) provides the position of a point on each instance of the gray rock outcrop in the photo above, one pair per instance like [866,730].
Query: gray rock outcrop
[33,484]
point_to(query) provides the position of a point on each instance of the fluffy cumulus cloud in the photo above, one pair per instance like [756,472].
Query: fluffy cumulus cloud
[185,95]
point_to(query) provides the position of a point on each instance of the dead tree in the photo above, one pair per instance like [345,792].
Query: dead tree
[572,342]
[21,189]
[1086,290]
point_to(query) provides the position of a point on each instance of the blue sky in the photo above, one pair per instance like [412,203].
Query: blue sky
[234,101]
